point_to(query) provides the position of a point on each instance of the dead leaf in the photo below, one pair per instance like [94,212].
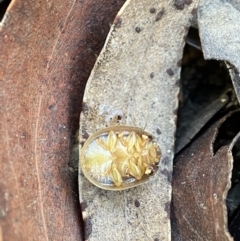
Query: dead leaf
[47,51]
[219,33]
[135,82]
[201,181]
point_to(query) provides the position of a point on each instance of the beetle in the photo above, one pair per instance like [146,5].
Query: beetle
[119,157]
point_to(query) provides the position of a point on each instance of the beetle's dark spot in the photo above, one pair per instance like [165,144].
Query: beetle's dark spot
[170,72]
[84,133]
[168,174]
[188,2]
[156,239]
[152,75]
[160,14]
[50,107]
[179,4]
[83,206]
[138,29]
[168,209]
[152,10]
[179,63]
[158,131]
[88,228]
[117,21]
[137,203]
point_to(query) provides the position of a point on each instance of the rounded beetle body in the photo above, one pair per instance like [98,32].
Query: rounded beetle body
[119,157]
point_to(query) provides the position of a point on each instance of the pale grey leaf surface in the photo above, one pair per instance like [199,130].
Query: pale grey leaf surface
[219,29]
[135,82]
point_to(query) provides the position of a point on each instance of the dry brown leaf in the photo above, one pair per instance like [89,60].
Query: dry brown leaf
[135,82]
[219,32]
[47,51]
[200,184]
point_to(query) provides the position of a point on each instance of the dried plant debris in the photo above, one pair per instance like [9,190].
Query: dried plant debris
[226,134]
[233,198]
[219,32]
[206,89]
[234,73]
[201,182]
[135,82]
[193,38]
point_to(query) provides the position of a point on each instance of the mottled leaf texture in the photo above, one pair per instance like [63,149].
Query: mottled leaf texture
[219,29]
[47,51]
[135,82]
[201,181]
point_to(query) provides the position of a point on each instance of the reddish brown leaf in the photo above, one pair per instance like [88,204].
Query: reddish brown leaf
[47,51]
[200,185]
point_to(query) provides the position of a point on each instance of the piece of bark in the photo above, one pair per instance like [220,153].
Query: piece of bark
[201,181]
[135,82]
[219,33]
[47,51]
[233,197]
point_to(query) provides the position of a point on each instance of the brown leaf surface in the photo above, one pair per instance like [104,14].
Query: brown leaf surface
[220,33]
[135,82]
[47,51]
[200,184]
